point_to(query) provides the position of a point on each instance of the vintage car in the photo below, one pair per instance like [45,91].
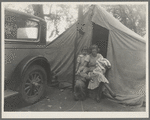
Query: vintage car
[27,69]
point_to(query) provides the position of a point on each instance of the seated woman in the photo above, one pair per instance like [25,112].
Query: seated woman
[98,78]
[89,72]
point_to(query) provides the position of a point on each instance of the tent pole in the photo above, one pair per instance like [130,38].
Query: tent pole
[74,60]
[80,13]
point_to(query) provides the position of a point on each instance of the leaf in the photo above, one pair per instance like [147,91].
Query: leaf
[49,106]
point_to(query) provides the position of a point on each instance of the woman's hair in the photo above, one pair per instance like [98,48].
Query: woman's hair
[94,47]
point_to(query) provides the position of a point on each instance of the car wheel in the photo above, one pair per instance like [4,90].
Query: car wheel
[33,84]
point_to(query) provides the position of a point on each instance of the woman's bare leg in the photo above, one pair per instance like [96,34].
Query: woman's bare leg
[99,92]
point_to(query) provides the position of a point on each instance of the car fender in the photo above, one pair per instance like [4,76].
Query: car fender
[24,65]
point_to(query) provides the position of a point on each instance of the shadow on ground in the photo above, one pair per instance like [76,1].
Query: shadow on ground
[62,100]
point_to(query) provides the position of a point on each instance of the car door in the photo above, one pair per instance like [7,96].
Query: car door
[22,38]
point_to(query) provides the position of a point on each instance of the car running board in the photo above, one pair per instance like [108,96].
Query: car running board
[8,93]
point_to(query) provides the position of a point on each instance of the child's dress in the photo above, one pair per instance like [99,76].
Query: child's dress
[98,73]
[80,60]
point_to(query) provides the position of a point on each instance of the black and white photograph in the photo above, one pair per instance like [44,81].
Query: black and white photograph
[74,60]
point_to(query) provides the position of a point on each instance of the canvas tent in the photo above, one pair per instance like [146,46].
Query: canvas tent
[125,50]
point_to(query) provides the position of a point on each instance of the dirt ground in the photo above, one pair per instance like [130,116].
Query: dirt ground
[62,100]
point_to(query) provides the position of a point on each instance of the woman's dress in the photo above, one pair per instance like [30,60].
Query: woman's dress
[97,74]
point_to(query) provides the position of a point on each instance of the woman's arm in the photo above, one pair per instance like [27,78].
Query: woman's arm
[78,62]
[77,66]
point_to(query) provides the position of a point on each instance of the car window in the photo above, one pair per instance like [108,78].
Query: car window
[17,28]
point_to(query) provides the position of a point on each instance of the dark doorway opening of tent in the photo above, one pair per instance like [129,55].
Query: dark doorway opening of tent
[100,38]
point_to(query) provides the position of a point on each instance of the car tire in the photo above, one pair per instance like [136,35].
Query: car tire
[34,83]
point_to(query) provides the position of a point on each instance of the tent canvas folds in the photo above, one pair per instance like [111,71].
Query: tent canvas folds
[125,50]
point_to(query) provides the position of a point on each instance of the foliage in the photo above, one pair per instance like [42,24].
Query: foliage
[132,16]
[61,16]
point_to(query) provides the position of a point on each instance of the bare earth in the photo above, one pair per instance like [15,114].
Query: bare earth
[62,100]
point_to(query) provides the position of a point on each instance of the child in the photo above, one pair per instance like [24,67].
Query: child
[80,87]
[81,58]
